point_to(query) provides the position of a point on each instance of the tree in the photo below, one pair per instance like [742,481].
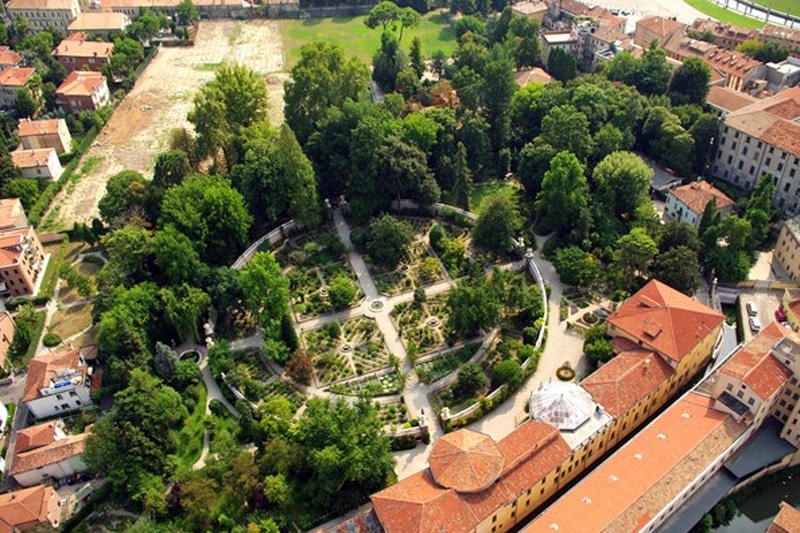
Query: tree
[677,234]
[266,290]
[408,18]
[383,14]
[473,308]
[429,268]
[577,267]
[622,180]
[534,159]
[341,291]
[135,438]
[184,308]
[225,107]
[407,83]
[471,380]
[507,372]
[562,65]
[27,190]
[469,24]
[764,52]
[524,35]
[566,128]
[389,239]
[211,214]
[416,57]
[165,361]
[607,140]
[177,258]
[689,84]
[124,198]
[171,168]
[463,177]
[498,224]
[652,74]
[498,88]
[320,80]
[388,62]
[703,131]
[562,203]
[635,253]
[299,367]
[679,268]
[187,13]
[25,104]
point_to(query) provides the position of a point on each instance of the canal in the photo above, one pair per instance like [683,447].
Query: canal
[756,511]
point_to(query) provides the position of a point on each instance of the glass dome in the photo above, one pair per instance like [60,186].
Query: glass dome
[564,405]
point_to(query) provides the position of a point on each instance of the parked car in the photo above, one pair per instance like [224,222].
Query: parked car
[780,316]
[755,323]
[752,310]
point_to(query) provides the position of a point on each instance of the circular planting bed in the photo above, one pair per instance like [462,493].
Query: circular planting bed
[376,306]
[565,373]
[347,347]
[434,322]
[590,318]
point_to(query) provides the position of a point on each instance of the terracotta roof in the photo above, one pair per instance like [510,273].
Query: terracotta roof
[609,35]
[780,32]
[665,320]
[529,8]
[546,449]
[787,521]
[10,240]
[727,99]
[35,436]
[755,365]
[366,522]
[535,74]
[71,47]
[465,461]
[9,56]
[81,83]
[65,5]
[661,26]
[98,21]
[28,128]
[731,62]
[418,505]
[53,453]
[27,506]
[16,76]
[722,29]
[641,478]
[42,369]
[697,194]
[31,158]
[771,120]
[11,213]
[7,330]
[622,383]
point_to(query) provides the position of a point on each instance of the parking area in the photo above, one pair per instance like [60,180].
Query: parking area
[765,301]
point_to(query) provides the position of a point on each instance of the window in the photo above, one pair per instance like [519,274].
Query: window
[729,387]
[760,144]
[741,164]
[752,169]
[59,397]
[751,401]
[772,149]
[65,406]
[787,187]
[744,151]
[768,162]
[736,135]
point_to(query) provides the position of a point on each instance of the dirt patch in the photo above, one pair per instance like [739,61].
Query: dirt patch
[161,100]
[72,320]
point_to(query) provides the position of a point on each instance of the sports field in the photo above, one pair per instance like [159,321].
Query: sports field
[360,41]
[720,13]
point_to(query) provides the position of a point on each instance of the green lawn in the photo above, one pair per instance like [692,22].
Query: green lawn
[481,193]
[357,40]
[720,13]
[781,5]
[190,437]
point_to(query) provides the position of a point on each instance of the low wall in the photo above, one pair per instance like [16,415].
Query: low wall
[273,237]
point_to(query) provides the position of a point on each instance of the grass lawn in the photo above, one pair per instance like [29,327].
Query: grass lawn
[190,437]
[480,194]
[720,13]
[357,40]
[781,5]
[67,322]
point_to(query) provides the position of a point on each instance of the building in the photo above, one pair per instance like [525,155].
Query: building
[45,13]
[790,38]
[688,202]
[40,134]
[528,8]
[738,423]
[43,163]
[566,40]
[602,40]
[45,453]
[787,520]
[476,485]
[11,81]
[656,28]
[59,382]
[532,75]
[83,91]
[7,330]
[727,36]
[787,249]
[100,23]
[29,509]
[763,138]
[575,12]
[12,215]
[9,58]
[783,75]
[22,262]
[77,53]
[725,100]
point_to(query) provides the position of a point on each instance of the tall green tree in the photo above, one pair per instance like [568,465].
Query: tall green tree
[562,65]
[124,198]
[384,14]
[524,35]
[689,84]
[566,128]
[266,291]
[389,240]
[563,203]
[679,268]
[416,57]
[463,177]
[499,222]
[184,308]
[498,88]
[622,180]
[635,253]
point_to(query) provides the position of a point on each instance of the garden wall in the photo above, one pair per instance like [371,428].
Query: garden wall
[272,237]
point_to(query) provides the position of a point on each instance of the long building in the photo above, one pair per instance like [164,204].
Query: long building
[763,138]
[740,422]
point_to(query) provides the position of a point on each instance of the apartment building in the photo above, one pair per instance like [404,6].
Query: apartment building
[99,23]
[45,452]
[727,36]
[22,262]
[790,38]
[43,134]
[42,163]
[83,91]
[7,330]
[656,28]
[59,382]
[9,58]
[532,9]
[41,14]
[566,40]
[759,139]
[12,215]
[11,81]
[725,100]
[687,203]
[76,52]
[787,249]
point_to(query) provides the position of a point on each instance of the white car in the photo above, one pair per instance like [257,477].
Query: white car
[755,323]
[752,310]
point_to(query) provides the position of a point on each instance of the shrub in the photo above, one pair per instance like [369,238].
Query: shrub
[471,379]
[51,339]
[507,372]
[436,235]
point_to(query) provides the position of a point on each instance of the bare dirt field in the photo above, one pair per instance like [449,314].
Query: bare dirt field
[161,100]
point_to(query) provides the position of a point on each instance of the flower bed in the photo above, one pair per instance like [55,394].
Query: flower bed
[422,326]
[386,384]
[435,369]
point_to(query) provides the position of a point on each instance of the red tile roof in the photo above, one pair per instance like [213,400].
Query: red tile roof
[619,385]
[465,461]
[546,450]
[76,47]
[787,521]
[11,244]
[24,508]
[31,158]
[35,436]
[727,99]
[16,76]
[773,120]
[54,453]
[697,194]
[755,365]
[42,369]
[642,477]
[365,522]
[29,128]
[665,320]
[661,26]
[8,56]
[12,215]
[81,83]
